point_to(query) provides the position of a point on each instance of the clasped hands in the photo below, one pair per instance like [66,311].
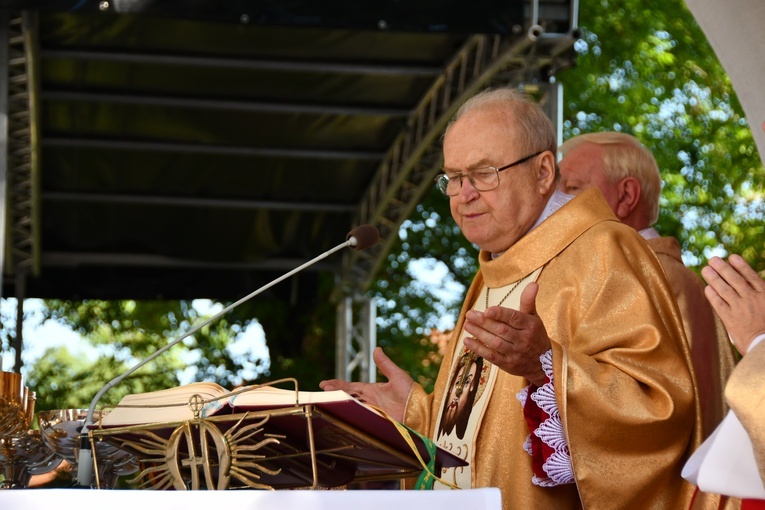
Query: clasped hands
[513,340]
[737,293]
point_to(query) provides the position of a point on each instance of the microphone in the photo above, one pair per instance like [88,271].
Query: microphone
[360,238]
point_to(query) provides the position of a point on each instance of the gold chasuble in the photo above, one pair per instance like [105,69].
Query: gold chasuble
[711,350]
[469,391]
[622,373]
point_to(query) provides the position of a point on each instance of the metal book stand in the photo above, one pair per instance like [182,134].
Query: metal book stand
[289,447]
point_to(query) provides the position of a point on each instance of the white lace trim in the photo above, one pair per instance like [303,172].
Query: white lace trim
[558,466]
[527,445]
[523,395]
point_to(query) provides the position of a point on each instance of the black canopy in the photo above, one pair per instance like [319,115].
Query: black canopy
[190,149]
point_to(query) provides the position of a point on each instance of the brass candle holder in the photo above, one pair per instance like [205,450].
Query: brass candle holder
[61,430]
[22,452]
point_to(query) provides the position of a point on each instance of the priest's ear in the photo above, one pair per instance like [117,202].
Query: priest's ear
[546,168]
[629,190]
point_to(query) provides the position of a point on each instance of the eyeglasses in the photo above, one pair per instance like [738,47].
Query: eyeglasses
[482,179]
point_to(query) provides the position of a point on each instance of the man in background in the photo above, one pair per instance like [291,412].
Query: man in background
[627,174]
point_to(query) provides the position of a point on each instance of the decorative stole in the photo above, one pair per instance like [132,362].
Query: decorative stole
[470,387]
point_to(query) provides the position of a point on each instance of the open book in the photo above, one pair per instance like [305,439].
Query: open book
[350,440]
[172,405]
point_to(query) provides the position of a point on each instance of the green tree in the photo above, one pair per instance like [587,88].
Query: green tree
[123,333]
[645,67]
[410,313]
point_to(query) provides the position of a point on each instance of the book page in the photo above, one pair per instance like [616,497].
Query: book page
[171,405]
[160,406]
[269,395]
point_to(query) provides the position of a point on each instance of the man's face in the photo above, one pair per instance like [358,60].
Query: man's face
[582,168]
[494,220]
[458,403]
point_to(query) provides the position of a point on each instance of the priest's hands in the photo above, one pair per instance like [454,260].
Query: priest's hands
[513,340]
[737,293]
[390,396]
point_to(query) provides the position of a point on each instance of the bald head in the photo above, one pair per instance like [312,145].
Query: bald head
[533,130]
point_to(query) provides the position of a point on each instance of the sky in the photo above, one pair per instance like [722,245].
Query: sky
[38,337]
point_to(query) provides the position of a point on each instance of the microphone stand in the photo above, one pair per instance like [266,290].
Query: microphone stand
[85,458]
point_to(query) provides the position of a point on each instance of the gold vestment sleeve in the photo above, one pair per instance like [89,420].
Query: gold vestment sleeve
[746,395]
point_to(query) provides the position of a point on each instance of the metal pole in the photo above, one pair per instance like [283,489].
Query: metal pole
[18,343]
[4,217]
[554,107]
[343,327]
[4,29]
[369,340]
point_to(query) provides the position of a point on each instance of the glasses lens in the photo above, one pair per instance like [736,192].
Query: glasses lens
[453,185]
[484,179]
[442,182]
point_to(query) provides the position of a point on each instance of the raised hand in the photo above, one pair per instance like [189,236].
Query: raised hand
[389,396]
[737,293]
[513,340]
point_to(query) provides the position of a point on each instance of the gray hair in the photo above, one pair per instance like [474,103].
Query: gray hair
[535,130]
[625,156]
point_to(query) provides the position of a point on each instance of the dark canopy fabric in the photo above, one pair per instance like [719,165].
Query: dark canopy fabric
[272,159]
[193,149]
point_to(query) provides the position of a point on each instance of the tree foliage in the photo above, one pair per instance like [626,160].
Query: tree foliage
[412,313]
[124,332]
[645,67]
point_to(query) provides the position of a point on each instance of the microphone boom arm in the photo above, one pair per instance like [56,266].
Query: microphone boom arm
[85,460]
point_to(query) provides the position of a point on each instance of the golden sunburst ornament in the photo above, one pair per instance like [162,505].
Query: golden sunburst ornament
[199,454]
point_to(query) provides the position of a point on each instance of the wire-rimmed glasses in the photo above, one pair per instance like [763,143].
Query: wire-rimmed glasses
[482,179]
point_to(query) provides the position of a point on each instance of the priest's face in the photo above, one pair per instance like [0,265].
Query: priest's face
[494,220]
[582,168]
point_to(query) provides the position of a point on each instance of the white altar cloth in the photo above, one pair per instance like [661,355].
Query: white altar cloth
[48,499]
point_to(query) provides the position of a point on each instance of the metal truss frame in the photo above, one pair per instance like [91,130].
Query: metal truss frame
[21,237]
[356,339]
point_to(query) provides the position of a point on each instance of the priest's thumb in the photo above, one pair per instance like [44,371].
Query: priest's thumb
[529,299]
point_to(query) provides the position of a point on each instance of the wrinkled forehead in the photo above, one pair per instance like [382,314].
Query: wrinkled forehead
[481,137]
[582,160]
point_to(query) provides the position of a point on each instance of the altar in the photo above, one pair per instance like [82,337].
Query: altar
[45,499]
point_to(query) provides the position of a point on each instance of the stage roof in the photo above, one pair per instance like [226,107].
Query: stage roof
[199,149]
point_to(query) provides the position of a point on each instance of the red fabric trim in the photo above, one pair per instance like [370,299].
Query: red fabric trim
[534,416]
[752,504]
